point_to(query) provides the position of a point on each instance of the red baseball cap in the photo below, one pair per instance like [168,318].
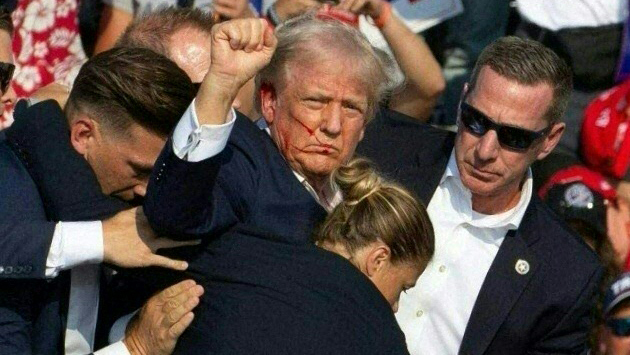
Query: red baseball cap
[578,192]
[605,138]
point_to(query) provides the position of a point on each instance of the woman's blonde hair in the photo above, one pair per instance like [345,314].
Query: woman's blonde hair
[373,210]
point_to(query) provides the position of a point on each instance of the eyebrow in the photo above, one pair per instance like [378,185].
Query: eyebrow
[319,95]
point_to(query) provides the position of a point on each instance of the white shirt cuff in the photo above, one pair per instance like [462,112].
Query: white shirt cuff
[194,143]
[117,348]
[74,243]
[117,332]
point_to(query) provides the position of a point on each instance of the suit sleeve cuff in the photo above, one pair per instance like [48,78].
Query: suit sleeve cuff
[117,348]
[193,142]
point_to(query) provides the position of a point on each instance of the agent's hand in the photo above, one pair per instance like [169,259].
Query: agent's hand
[129,242]
[162,320]
[53,91]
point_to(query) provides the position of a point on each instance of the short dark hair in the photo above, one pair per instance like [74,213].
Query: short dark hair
[154,30]
[528,63]
[123,86]
[5,20]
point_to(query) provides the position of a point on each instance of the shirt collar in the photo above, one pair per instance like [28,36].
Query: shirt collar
[510,219]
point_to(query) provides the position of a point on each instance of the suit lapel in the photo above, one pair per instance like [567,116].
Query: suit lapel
[502,286]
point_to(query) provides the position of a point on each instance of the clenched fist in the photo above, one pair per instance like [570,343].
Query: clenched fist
[240,48]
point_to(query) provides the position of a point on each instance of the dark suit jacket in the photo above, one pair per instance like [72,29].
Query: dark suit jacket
[268,289]
[545,311]
[272,297]
[43,180]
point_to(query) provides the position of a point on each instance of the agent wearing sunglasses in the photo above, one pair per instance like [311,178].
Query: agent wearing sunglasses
[507,277]
[7,94]
[615,331]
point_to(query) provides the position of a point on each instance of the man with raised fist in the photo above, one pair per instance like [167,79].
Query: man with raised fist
[254,194]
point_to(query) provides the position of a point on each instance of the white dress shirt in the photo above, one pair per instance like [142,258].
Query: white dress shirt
[558,14]
[434,314]
[194,142]
[79,246]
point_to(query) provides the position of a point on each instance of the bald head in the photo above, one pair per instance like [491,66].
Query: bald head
[189,48]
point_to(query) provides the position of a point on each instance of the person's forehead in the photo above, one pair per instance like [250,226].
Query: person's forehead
[326,78]
[6,55]
[509,102]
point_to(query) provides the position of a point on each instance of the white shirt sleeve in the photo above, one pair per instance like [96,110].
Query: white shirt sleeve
[74,243]
[117,348]
[193,142]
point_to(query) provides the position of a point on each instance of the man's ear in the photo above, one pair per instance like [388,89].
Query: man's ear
[83,132]
[268,102]
[464,91]
[551,140]
[377,260]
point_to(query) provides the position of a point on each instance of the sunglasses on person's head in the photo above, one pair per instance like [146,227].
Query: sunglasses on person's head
[619,326]
[6,73]
[509,136]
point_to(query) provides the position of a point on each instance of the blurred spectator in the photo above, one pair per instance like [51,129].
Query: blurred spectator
[7,94]
[605,144]
[588,203]
[46,44]
[585,33]
[615,328]
[458,42]
[118,14]
[583,197]
[605,130]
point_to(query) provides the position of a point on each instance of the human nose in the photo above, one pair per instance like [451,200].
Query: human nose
[488,146]
[331,124]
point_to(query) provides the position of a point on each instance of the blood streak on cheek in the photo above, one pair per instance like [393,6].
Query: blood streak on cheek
[309,130]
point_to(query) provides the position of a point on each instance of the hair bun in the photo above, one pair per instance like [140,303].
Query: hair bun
[357,180]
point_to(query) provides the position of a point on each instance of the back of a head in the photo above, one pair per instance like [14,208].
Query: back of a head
[154,30]
[308,41]
[123,86]
[528,62]
[376,210]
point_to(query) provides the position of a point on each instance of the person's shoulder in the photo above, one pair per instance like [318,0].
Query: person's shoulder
[559,245]
[393,140]
[394,120]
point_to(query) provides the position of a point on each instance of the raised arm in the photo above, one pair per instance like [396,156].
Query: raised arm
[199,186]
[424,80]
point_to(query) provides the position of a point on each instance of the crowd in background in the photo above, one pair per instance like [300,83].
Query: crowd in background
[585,180]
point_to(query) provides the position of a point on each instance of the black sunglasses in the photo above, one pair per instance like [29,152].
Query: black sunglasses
[619,326]
[6,73]
[509,136]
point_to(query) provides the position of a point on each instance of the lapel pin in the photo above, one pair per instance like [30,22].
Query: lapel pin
[522,266]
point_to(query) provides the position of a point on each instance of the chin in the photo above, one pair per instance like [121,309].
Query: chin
[478,187]
[322,167]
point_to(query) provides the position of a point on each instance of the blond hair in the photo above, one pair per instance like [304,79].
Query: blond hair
[373,210]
